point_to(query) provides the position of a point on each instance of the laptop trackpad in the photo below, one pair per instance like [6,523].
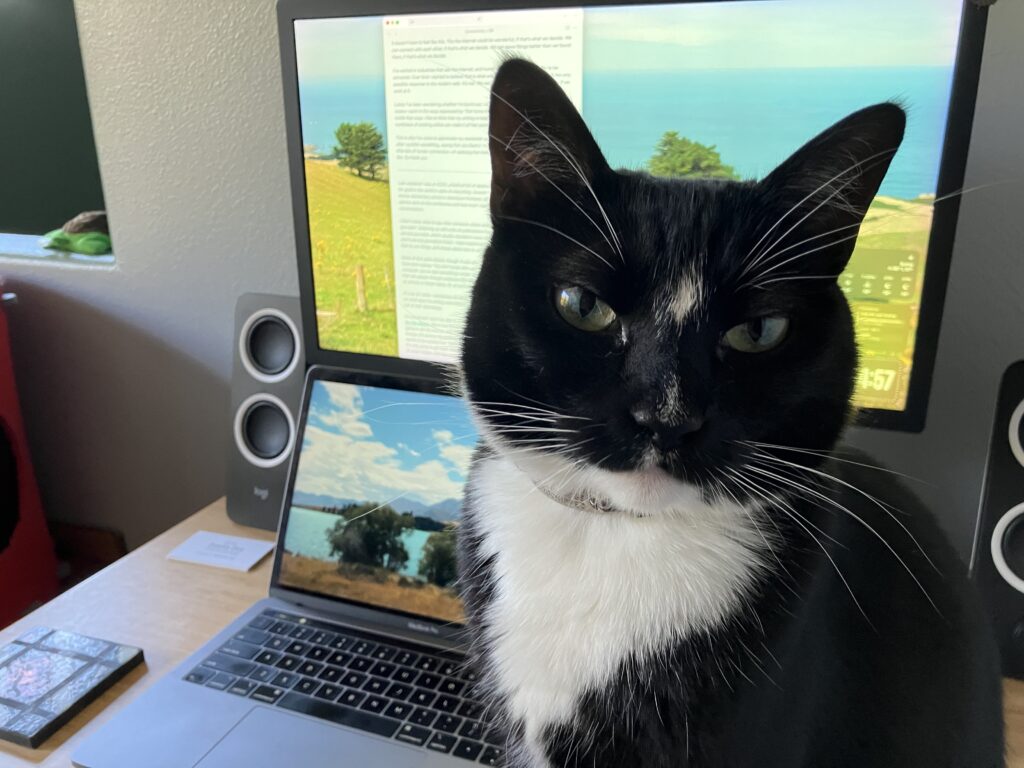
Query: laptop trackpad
[271,738]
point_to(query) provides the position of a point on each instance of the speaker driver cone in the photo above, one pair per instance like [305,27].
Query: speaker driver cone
[264,430]
[1008,547]
[268,345]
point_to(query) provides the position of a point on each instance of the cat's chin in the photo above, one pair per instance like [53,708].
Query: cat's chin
[642,492]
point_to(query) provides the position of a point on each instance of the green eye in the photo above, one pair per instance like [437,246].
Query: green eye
[757,335]
[582,309]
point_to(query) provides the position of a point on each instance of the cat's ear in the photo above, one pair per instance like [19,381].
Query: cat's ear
[824,189]
[538,142]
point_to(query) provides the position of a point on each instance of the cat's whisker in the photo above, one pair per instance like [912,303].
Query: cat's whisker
[871,529]
[774,254]
[761,284]
[887,508]
[557,231]
[521,156]
[572,164]
[833,457]
[771,268]
[855,167]
[752,486]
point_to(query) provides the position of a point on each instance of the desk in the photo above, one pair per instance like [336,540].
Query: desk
[144,599]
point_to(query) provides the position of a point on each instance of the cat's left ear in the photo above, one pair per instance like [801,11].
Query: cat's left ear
[824,189]
[538,142]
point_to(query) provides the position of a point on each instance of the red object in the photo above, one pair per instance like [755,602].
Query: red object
[28,566]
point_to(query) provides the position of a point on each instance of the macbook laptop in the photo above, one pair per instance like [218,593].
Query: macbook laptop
[353,658]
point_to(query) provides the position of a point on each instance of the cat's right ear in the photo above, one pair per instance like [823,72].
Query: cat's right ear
[539,144]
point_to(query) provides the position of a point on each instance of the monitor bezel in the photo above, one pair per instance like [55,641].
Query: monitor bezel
[412,624]
[953,162]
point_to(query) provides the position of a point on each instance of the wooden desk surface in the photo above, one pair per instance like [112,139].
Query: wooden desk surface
[144,599]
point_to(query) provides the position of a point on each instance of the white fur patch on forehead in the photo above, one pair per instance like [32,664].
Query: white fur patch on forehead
[685,298]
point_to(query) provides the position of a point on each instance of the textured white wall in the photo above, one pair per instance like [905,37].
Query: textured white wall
[131,364]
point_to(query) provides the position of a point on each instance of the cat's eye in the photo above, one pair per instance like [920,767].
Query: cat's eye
[583,309]
[757,335]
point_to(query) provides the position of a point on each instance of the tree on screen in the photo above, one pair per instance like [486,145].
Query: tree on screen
[370,537]
[676,156]
[360,147]
[438,564]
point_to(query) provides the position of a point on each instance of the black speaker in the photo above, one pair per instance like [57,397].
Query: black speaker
[266,390]
[998,558]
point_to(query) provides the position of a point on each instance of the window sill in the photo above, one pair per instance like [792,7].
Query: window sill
[27,248]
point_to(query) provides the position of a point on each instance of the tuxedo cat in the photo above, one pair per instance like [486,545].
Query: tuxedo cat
[663,560]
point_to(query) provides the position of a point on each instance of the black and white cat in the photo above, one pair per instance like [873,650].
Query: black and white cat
[662,560]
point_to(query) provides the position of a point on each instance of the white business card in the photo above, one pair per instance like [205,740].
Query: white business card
[218,549]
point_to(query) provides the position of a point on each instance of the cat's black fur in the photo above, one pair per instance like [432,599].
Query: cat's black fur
[894,666]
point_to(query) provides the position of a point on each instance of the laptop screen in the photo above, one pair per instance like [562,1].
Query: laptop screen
[377,497]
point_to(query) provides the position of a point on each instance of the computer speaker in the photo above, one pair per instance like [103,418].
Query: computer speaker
[266,389]
[997,562]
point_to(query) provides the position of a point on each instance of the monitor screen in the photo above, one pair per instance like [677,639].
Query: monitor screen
[393,119]
[377,497]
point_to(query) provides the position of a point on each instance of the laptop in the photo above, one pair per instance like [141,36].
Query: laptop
[353,658]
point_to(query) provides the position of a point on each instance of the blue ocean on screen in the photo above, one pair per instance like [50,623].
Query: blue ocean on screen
[307,536]
[755,118]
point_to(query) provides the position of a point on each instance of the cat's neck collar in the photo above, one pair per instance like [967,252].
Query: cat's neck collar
[581,500]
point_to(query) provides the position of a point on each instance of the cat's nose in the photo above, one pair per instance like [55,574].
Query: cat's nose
[668,436]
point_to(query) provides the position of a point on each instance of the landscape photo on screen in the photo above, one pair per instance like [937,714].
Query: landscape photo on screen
[377,500]
[394,127]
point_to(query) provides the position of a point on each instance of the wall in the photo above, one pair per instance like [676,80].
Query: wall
[124,371]
[186,108]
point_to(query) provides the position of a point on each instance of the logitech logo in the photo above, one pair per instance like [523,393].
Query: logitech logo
[261,493]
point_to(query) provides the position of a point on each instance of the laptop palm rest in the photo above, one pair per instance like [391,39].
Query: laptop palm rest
[271,738]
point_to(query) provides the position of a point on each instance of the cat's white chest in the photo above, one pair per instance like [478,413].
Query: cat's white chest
[579,592]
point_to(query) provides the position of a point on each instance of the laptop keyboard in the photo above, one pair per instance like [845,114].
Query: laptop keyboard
[345,677]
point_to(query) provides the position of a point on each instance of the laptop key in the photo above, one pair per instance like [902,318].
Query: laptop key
[306,685]
[339,659]
[422,716]
[352,698]
[448,723]
[427,680]
[254,636]
[441,742]
[276,643]
[406,658]
[383,653]
[398,710]
[321,637]
[427,664]
[288,662]
[375,704]
[336,713]
[363,647]
[261,622]
[328,692]
[261,674]
[447,703]
[471,709]
[453,687]
[241,687]
[267,657]
[340,643]
[361,664]
[468,750]
[309,668]
[221,681]
[297,648]
[376,685]
[281,627]
[200,675]
[353,680]
[405,675]
[284,680]
[422,698]
[267,694]
[496,737]
[239,649]
[413,734]
[229,664]
[472,730]
[399,691]
[491,756]
[331,674]
[318,653]
[301,633]
[449,668]
[382,669]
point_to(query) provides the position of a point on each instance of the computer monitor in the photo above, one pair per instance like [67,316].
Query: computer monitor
[386,105]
